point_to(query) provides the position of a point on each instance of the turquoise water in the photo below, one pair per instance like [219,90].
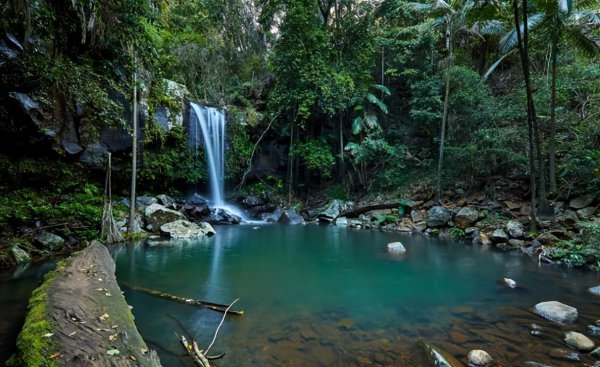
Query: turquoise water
[328,296]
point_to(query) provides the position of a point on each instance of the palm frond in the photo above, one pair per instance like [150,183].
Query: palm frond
[585,17]
[371,122]
[420,7]
[383,89]
[376,101]
[495,65]
[565,6]
[491,27]
[583,42]
[509,40]
[357,125]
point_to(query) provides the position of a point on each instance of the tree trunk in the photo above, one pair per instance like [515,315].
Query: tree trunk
[525,67]
[132,224]
[438,186]
[552,142]
[291,164]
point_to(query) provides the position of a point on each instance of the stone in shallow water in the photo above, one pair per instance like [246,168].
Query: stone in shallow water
[564,354]
[479,358]
[594,330]
[579,341]
[595,290]
[556,311]
[183,229]
[396,248]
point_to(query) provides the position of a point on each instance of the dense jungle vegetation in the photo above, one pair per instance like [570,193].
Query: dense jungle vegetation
[356,97]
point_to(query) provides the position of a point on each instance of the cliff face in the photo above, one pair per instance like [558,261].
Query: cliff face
[79,317]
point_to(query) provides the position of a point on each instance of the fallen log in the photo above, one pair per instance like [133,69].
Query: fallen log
[188,301]
[364,209]
[191,352]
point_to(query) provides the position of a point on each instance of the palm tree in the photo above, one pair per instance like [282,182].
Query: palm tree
[566,21]
[451,18]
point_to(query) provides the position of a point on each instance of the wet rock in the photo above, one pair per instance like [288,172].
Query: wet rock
[333,210]
[142,202]
[564,354]
[196,199]
[396,248]
[438,216]
[94,154]
[48,241]
[157,215]
[183,229]
[166,201]
[222,216]
[568,218]
[466,217]
[515,229]
[479,358]
[594,330]
[595,290]
[19,255]
[472,232]
[595,352]
[581,201]
[499,236]
[290,216]
[28,106]
[535,364]
[556,311]
[271,217]
[514,243]
[341,222]
[579,341]
[510,283]
[438,357]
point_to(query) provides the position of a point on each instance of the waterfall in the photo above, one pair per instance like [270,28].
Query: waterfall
[207,127]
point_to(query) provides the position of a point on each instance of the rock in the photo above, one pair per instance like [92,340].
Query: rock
[142,202]
[438,357]
[479,358]
[166,201]
[94,154]
[568,218]
[438,216]
[510,283]
[196,199]
[271,217]
[222,216]
[535,364]
[183,229]
[396,248]
[333,210]
[499,236]
[466,217]
[595,290]
[514,243]
[595,352]
[556,311]
[472,232]
[594,330]
[19,255]
[564,354]
[251,201]
[586,212]
[341,222]
[579,341]
[290,216]
[515,229]
[581,201]
[48,241]
[157,215]
[416,216]
[28,106]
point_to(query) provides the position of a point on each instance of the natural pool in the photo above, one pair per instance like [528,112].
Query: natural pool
[327,296]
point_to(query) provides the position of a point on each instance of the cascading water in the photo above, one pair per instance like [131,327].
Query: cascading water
[207,127]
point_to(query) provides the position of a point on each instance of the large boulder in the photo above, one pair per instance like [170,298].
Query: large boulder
[290,216]
[499,235]
[479,358]
[333,210]
[48,241]
[166,201]
[183,229]
[556,311]
[579,341]
[438,216]
[222,216]
[581,202]
[271,217]
[157,215]
[142,202]
[466,217]
[515,229]
[396,248]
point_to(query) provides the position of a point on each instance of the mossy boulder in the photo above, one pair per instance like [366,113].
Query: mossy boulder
[19,255]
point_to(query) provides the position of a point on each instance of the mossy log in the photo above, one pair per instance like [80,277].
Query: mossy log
[79,317]
[218,307]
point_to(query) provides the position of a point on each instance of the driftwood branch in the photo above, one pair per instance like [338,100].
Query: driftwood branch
[188,301]
[220,324]
[190,351]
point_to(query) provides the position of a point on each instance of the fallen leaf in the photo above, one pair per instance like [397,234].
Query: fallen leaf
[47,335]
[112,337]
[144,350]
[133,357]
[108,294]
[114,326]
[54,355]
[73,333]
[104,317]
[113,352]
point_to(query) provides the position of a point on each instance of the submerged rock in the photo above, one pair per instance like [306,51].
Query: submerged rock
[438,357]
[510,283]
[594,330]
[341,222]
[556,311]
[183,229]
[595,290]
[479,358]
[438,216]
[396,248]
[579,341]
[564,354]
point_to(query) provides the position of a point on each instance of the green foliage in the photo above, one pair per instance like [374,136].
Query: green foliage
[337,192]
[456,232]
[239,149]
[317,156]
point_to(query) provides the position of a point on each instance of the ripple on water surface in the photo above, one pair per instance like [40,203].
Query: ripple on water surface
[328,296]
